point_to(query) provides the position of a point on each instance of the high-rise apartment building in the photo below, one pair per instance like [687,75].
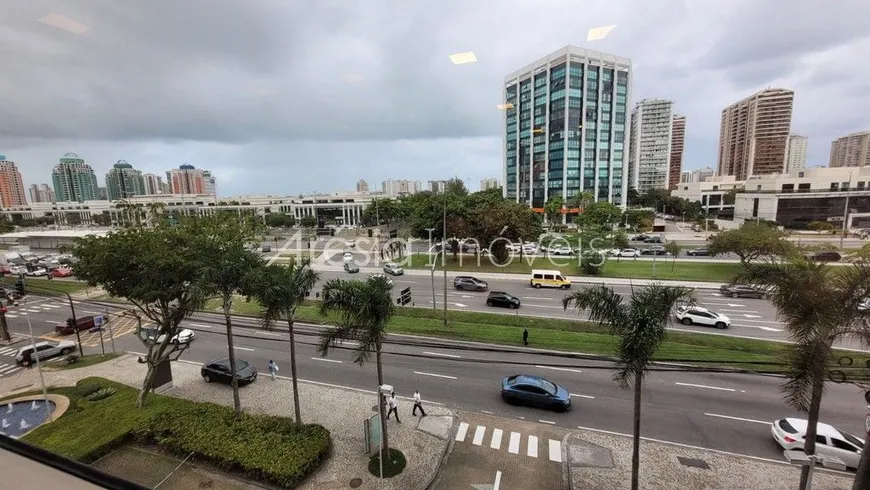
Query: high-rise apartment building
[153,184]
[678,145]
[650,139]
[566,121]
[11,185]
[487,184]
[41,193]
[698,175]
[74,180]
[123,182]
[796,158]
[362,186]
[392,187]
[188,179]
[851,151]
[753,134]
[437,186]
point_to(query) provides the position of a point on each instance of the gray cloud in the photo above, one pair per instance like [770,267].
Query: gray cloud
[291,90]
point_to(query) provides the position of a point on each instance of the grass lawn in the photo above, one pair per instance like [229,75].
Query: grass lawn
[624,268]
[85,361]
[265,447]
[39,285]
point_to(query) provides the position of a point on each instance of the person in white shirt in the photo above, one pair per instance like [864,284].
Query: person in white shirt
[273,369]
[394,407]
[418,403]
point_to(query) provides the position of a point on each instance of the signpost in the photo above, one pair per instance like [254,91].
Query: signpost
[98,324]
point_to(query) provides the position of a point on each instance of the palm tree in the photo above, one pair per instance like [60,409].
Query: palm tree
[280,290]
[640,323]
[819,305]
[363,309]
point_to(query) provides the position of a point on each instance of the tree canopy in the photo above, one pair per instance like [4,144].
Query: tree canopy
[751,241]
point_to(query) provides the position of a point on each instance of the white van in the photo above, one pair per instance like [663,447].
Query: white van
[549,279]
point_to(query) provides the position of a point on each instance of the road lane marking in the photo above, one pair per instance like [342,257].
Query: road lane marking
[326,360]
[764,422]
[47,321]
[497,484]
[488,413]
[442,355]
[496,439]
[555,451]
[478,435]
[200,325]
[559,369]
[536,297]
[463,429]
[739,311]
[547,422]
[11,316]
[34,310]
[244,348]
[514,443]
[435,375]
[532,449]
[760,327]
[51,306]
[583,396]
[705,387]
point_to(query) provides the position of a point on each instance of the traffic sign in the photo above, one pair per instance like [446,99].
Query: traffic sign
[98,320]
[867,423]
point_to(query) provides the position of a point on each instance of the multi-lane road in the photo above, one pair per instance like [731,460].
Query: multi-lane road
[729,412]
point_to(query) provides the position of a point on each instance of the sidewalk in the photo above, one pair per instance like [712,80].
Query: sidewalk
[495,276]
[342,411]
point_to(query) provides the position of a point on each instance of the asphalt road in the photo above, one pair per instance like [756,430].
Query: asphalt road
[729,412]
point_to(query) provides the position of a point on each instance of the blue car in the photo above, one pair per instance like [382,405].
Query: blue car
[534,391]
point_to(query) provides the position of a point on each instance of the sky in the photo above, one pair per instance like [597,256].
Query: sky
[296,96]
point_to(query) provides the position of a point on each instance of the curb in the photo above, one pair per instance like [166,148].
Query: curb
[448,449]
[567,481]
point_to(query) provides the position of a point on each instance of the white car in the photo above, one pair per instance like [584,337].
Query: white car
[561,251]
[44,350]
[378,274]
[628,252]
[350,243]
[37,272]
[348,257]
[393,269]
[789,433]
[184,336]
[688,315]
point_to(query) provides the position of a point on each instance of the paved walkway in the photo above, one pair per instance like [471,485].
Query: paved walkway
[342,411]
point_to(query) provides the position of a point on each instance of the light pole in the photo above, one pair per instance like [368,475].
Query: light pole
[444,255]
[846,210]
[35,356]
[432,268]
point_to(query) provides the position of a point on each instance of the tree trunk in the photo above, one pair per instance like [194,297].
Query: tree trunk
[146,385]
[862,476]
[812,422]
[234,381]
[386,445]
[296,409]
[635,455]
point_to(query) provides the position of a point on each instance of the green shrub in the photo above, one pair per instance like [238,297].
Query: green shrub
[83,391]
[101,394]
[263,447]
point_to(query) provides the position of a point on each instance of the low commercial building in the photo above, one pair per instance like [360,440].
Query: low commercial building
[711,193]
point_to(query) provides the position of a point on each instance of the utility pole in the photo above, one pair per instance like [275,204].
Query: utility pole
[444,255]
[846,211]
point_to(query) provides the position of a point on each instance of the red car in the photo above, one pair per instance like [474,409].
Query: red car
[62,272]
[83,323]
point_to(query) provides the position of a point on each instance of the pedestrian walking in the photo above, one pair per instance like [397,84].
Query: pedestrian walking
[525,336]
[418,403]
[273,369]
[394,407]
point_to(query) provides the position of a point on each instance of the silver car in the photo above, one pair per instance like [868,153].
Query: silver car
[44,350]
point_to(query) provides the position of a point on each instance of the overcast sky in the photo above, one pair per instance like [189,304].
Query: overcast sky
[292,96]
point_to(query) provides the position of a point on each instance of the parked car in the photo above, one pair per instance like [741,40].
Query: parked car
[469,283]
[43,350]
[219,371]
[502,299]
[266,248]
[351,267]
[828,256]
[561,251]
[36,272]
[628,252]
[653,251]
[790,433]
[688,315]
[62,271]
[535,391]
[183,336]
[81,323]
[654,239]
[742,291]
[347,257]
[393,269]
[699,252]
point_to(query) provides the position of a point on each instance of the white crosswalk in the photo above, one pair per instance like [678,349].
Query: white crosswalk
[514,442]
[8,367]
[8,351]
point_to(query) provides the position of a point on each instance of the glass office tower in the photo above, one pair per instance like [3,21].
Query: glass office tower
[566,121]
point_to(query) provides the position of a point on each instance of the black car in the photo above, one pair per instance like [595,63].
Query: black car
[351,268]
[826,257]
[219,371]
[653,251]
[469,283]
[742,291]
[502,299]
[699,252]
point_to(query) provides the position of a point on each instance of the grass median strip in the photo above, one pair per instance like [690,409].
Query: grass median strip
[42,286]
[665,268]
[265,447]
[85,361]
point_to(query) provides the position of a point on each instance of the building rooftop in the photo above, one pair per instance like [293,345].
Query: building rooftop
[55,234]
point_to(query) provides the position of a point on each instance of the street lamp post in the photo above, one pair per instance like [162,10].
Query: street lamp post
[444,255]
[432,268]
[846,211]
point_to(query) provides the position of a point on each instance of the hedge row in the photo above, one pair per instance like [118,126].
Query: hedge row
[263,447]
